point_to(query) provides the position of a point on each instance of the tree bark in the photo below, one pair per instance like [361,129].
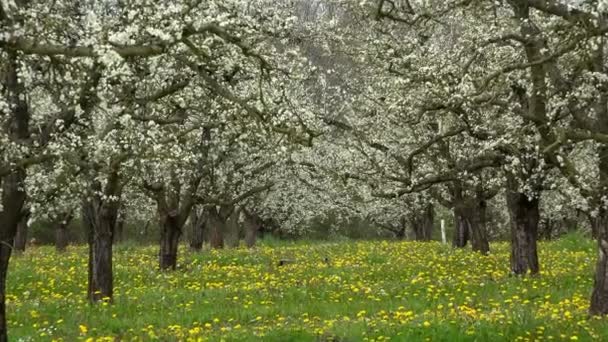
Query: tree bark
[232,236]
[216,226]
[198,222]
[21,236]
[422,223]
[599,296]
[100,216]
[169,241]
[595,226]
[120,227]
[401,233]
[5,255]
[61,238]
[13,185]
[471,224]
[461,228]
[252,226]
[61,232]
[479,232]
[524,213]
[13,198]
[546,228]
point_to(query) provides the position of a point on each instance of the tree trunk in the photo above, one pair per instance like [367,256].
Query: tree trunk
[216,227]
[401,233]
[471,223]
[103,277]
[251,231]
[595,226]
[252,226]
[61,232]
[13,198]
[5,255]
[169,242]
[546,228]
[599,296]
[232,235]
[479,232]
[198,222]
[61,238]
[571,223]
[120,227]
[21,235]
[13,185]
[422,224]
[101,220]
[461,228]
[524,213]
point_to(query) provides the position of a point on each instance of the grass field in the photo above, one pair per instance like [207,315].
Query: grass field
[372,291]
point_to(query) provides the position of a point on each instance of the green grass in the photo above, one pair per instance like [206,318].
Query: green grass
[405,291]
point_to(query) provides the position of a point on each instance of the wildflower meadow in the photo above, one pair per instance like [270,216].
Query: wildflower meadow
[343,291]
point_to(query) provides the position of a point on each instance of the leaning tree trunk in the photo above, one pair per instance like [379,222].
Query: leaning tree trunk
[422,224]
[100,217]
[524,213]
[198,222]
[21,235]
[169,241]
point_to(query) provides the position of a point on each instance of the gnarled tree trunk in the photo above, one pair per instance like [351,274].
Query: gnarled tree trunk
[524,213]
